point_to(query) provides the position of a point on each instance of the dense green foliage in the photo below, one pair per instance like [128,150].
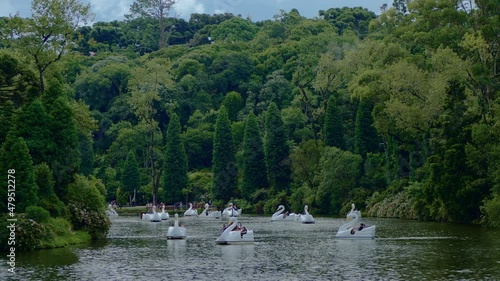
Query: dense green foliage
[396,111]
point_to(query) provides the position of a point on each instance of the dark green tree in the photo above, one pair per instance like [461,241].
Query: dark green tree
[276,150]
[175,167]
[333,129]
[365,135]
[233,103]
[87,156]
[130,178]
[224,160]
[32,124]
[15,160]
[254,165]
[46,195]
[451,192]
[66,154]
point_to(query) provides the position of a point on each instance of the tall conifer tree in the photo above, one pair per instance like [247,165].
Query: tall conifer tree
[365,136]
[16,161]
[276,150]
[333,130]
[254,165]
[131,178]
[175,167]
[224,159]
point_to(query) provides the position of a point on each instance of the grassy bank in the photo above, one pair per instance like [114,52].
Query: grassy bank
[31,235]
[59,234]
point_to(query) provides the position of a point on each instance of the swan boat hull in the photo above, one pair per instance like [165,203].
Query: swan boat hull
[307,219]
[236,237]
[350,233]
[176,232]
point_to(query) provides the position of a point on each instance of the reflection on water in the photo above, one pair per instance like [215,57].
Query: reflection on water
[139,250]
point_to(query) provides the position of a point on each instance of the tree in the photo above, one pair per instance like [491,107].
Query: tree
[175,165]
[16,161]
[46,195]
[49,34]
[148,81]
[156,9]
[365,138]
[64,135]
[233,103]
[339,174]
[130,178]
[276,150]
[333,129]
[254,165]
[224,160]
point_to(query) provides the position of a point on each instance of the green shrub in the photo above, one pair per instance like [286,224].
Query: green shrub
[38,214]
[86,207]
[491,212]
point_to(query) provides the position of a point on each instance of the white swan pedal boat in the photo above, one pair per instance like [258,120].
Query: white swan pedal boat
[351,230]
[280,216]
[235,233]
[306,217]
[164,215]
[176,231]
[231,211]
[191,212]
[209,214]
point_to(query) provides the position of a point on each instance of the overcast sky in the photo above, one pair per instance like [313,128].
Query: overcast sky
[257,10]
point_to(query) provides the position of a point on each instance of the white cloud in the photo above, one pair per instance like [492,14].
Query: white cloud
[184,8]
[109,10]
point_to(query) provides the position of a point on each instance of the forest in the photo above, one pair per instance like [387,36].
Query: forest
[397,113]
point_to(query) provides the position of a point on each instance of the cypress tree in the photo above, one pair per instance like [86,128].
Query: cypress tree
[333,130]
[32,125]
[175,167]
[224,159]
[276,150]
[254,166]
[16,161]
[65,136]
[130,178]
[365,136]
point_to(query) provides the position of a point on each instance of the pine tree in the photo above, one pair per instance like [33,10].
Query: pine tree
[254,165]
[16,161]
[333,129]
[175,167]
[276,151]
[224,160]
[130,178]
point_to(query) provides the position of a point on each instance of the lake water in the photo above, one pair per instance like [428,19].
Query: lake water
[404,250]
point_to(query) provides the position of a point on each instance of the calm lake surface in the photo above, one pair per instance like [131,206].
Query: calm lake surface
[403,250]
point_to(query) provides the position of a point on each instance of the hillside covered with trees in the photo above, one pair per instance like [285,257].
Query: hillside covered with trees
[397,113]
